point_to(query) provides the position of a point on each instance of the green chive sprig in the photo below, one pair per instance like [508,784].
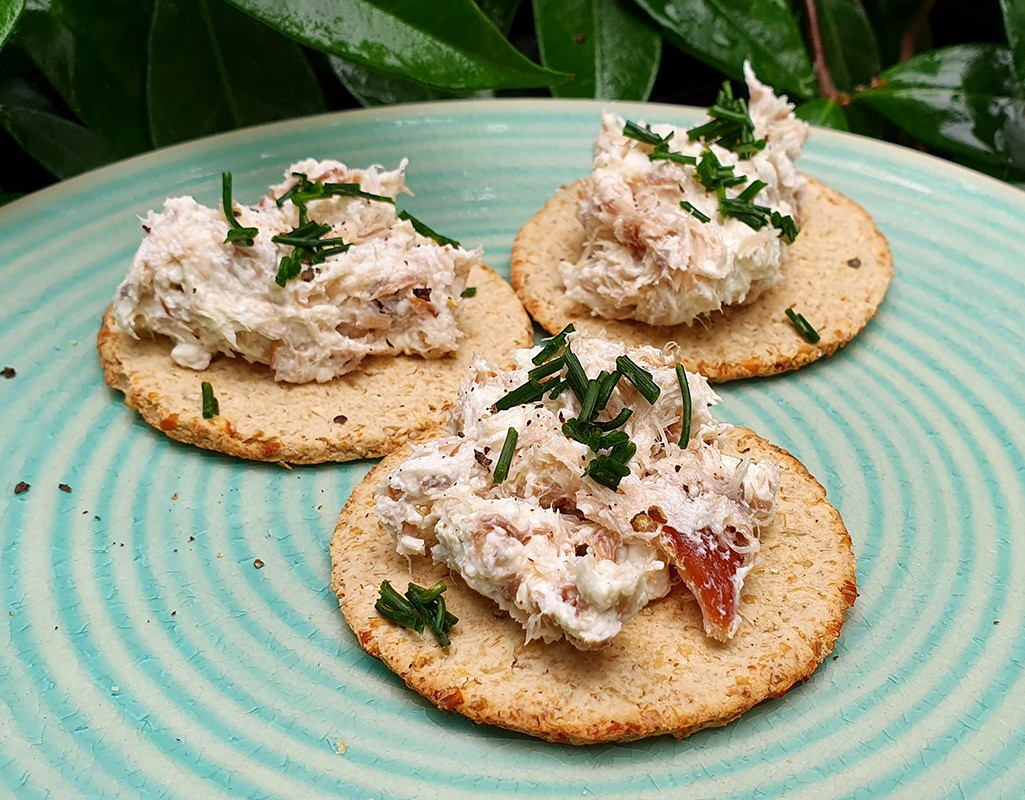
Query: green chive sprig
[713,174]
[803,326]
[661,151]
[304,191]
[554,346]
[505,458]
[529,392]
[694,211]
[419,608]
[730,125]
[211,408]
[681,378]
[237,234]
[612,447]
[639,377]
[543,371]
[424,230]
[645,135]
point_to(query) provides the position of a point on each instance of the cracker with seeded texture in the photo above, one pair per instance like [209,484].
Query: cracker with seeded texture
[836,274]
[366,413]
[660,675]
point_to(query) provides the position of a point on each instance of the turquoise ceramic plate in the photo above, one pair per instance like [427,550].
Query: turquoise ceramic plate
[142,654]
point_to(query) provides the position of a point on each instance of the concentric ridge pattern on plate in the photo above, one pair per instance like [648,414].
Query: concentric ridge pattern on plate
[143,653]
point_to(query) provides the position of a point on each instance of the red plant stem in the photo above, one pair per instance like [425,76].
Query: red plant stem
[826,86]
[914,29]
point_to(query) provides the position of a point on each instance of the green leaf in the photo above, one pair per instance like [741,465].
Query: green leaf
[611,49]
[93,53]
[723,33]
[449,44]
[10,10]
[823,112]
[9,197]
[1014,24]
[500,12]
[964,99]
[852,53]
[239,72]
[65,148]
[374,89]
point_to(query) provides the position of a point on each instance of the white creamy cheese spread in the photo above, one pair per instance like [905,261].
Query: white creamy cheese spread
[560,552]
[648,259]
[393,291]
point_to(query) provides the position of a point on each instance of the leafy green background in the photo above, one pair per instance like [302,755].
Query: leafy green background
[86,82]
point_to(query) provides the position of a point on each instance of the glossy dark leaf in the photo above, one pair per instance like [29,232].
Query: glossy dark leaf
[238,72]
[852,53]
[9,197]
[10,10]
[500,12]
[1014,25]
[374,89]
[823,112]
[725,32]
[612,49]
[63,147]
[93,52]
[964,99]
[450,44]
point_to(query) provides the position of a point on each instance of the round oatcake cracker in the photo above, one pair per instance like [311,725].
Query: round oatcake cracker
[366,413]
[660,675]
[837,272]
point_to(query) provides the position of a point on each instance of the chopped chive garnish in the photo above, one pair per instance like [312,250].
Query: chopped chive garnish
[607,383]
[623,452]
[505,458]
[756,217]
[553,346]
[663,153]
[606,471]
[731,125]
[575,375]
[211,408]
[557,387]
[545,370]
[307,239]
[639,377]
[304,190]
[694,211]
[681,378]
[751,191]
[613,440]
[645,135]
[418,609]
[803,326]
[617,422]
[588,401]
[788,228]
[317,190]
[424,230]
[237,234]
[581,432]
[713,174]
[469,291]
[529,392]
[289,269]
